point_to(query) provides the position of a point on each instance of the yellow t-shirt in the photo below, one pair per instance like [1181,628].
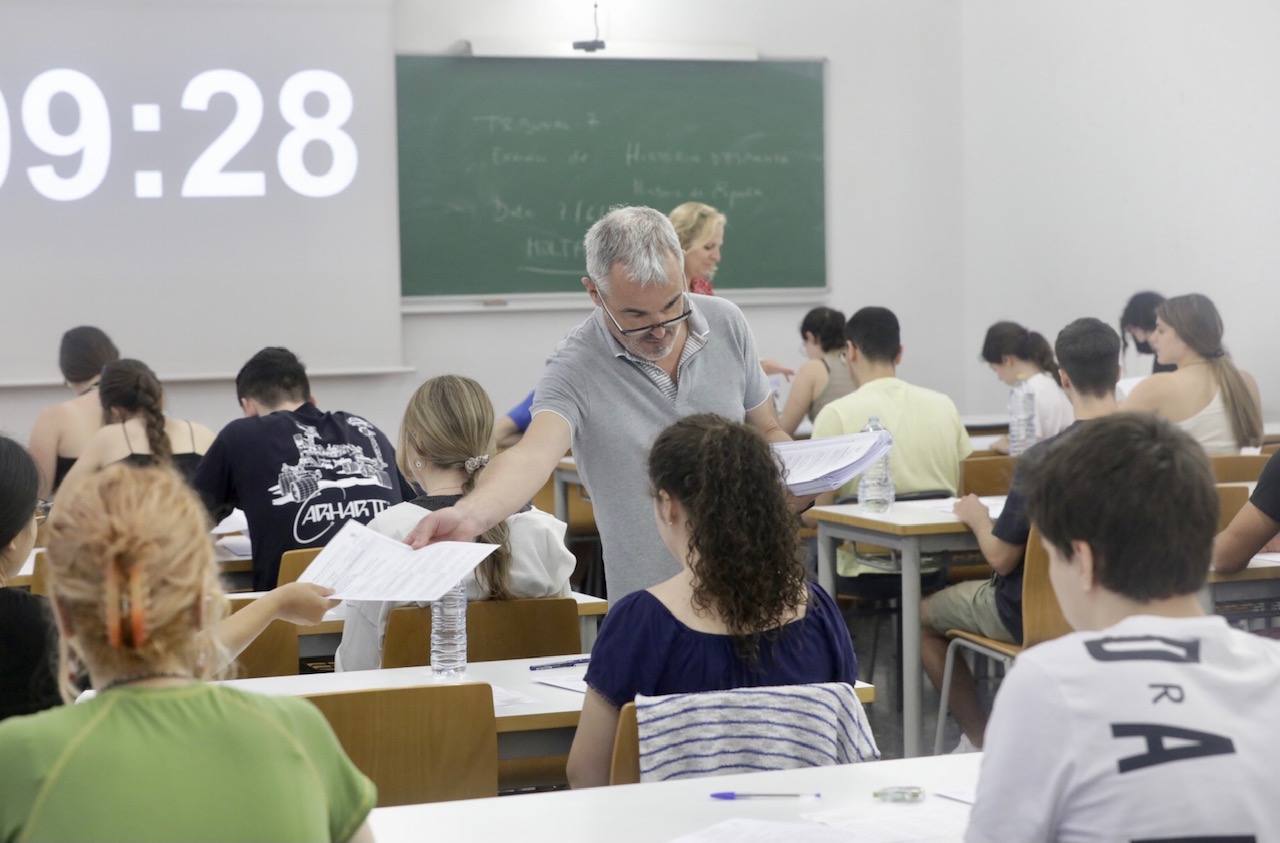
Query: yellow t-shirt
[193,763]
[929,440]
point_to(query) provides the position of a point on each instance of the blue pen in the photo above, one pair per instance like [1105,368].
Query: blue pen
[568,663]
[733,794]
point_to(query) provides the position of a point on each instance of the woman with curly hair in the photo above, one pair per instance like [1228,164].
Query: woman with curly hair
[741,612]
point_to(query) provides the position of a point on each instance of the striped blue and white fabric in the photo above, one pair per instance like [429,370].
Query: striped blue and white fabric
[749,729]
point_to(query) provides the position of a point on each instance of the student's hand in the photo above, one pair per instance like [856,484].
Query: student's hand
[303,603]
[448,524]
[773,367]
[1001,445]
[1272,546]
[971,510]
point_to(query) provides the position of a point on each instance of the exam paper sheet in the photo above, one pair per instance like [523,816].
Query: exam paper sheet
[361,564]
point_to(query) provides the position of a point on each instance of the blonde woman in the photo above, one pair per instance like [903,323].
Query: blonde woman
[158,754]
[445,442]
[700,228]
[1207,396]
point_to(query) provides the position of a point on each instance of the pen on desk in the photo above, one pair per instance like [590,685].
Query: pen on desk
[733,794]
[568,663]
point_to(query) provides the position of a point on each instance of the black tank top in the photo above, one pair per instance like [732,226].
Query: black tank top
[60,470]
[185,464]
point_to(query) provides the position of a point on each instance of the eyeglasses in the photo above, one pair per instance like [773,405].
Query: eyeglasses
[669,323]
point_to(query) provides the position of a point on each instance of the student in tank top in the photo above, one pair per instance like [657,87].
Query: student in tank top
[824,377]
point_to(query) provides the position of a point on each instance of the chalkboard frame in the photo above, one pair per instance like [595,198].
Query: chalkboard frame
[496,301]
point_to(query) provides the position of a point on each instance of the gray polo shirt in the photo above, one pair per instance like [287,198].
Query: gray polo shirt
[617,404]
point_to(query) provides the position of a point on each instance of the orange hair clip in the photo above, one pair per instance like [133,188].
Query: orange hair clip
[115,604]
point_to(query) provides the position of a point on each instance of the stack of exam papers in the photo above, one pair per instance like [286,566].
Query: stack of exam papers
[814,466]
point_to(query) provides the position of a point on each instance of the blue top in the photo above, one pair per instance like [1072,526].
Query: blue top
[643,649]
[522,414]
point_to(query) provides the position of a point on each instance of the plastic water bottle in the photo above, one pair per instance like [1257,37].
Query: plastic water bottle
[449,632]
[1022,419]
[875,487]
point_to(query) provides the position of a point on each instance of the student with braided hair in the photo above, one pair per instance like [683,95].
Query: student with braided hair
[135,428]
[445,441]
[135,594]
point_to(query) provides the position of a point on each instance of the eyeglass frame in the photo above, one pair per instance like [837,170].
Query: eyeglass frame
[668,323]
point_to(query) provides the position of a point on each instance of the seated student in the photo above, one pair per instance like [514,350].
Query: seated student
[62,431]
[135,428]
[741,612]
[929,439]
[1089,351]
[508,429]
[134,591]
[1207,396]
[825,377]
[1255,527]
[298,472]
[1018,356]
[444,445]
[1152,721]
[28,640]
[1138,322]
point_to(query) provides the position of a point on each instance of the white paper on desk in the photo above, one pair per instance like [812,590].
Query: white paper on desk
[764,831]
[236,522]
[360,564]
[29,567]
[506,698]
[235,547]
[993,503]
[814,466]
[898,822]
[1262,560]
[570,679]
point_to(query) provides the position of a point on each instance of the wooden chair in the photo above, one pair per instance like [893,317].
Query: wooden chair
[986,475]
[496,630]
[582,516]
[1238,468]
[624,767]
[40,573]
[273,653]
[1042,620]
[423,744]
[1271,449]
[294,562]
[1231,499]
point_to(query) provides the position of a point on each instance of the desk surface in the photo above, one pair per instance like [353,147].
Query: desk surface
[527,704]
[664,810]
[1264,566]
[906,518]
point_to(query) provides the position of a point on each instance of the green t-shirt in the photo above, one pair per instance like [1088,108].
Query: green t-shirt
[192,763]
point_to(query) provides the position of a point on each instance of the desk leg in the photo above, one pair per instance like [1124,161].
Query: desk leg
[911,664]
[587,628]
[561,490]
[826,560]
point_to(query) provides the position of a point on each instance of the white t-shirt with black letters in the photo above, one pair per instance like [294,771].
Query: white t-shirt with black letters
[1156,729]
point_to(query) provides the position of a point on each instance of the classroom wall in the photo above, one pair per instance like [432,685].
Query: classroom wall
[893,188]
[1117,145]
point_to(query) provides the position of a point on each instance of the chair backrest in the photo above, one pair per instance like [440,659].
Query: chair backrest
[1231,499]
[272,653]
[1042,618]
[423,744]
[294,562]
[986,475]
[624,768]
[496,630]
[1238,468]
[40,573]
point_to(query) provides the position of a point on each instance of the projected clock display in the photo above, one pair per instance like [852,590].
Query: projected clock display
[314,104]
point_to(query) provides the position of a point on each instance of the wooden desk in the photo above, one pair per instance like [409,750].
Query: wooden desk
[1271,433]
[997,423]
[911,529]
[1258,582]
[590,610]
[538,721]
[665,810]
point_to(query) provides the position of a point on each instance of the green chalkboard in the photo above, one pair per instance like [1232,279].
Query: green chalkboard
[504,164]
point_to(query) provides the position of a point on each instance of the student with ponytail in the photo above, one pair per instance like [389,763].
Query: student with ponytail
[62,431]
[1207,396]
[1018,355]
[824,377]
[135,428]
[135,593]
[740,613]
[445,442]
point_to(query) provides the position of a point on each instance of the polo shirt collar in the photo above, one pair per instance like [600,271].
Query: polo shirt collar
[697,324]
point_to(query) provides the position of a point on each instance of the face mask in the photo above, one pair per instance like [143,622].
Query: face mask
[1143,347]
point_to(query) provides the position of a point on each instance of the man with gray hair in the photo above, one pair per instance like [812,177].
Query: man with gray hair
[650,353]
